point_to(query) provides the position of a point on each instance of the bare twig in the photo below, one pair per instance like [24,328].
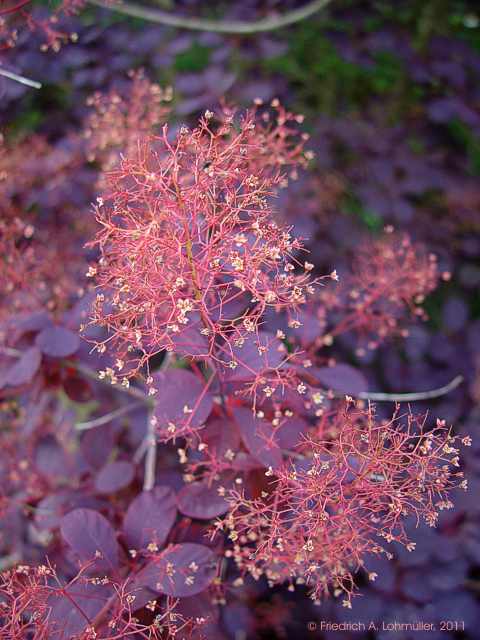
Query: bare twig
[270,23]
[151,457]
[21,79]
[151,440]
[411,397]
[108,417]
[141,451]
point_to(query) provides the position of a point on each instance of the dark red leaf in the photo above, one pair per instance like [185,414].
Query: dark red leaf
[89,534]
[77,389]
[181,571]
[150,517]
[57,342]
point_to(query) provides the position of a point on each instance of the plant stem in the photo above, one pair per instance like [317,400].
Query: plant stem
[151,457]
[411,397]
[21,79]
[217,26]
[108,417]
[151,439]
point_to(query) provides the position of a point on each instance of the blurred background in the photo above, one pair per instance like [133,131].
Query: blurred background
[390,91]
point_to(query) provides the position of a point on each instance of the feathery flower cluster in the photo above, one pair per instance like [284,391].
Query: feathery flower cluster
[389,276]
[39,605]
[17,15]
[324,514]
[116,122]
[191,257]
[193,264]
[38,267]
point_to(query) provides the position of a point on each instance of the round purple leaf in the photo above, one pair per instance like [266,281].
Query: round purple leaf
[57,342]
[24,369]
[258,437]
[71,609]
[114,476]
[199,500]
[90,536]
[181,571]
[289,435]
[181,402]
[150,517]
[342,378]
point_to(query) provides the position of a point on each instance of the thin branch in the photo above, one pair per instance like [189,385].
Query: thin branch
[412,397]
[108,417]
[151,457]
[217,26]
[21,79]
[151,438]
[9,351]
[141,451]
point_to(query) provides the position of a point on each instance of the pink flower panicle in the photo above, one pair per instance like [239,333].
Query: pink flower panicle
[321,516]
[117,122]
[19,14]
[31,597]
[190,255]
[39,266]
[389,276]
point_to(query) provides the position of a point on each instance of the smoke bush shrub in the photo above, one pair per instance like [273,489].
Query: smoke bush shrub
[203,434]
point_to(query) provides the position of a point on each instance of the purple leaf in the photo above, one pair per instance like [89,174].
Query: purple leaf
[57,342]
[114,476]
[258,437]
[96,446]
[220,436]
[190,342]
[255,356]
[289,435]
[180,402]
[201,607]
[51,459]
[181,571]
[51,509]
[341,377]
[88,533]
[30,322]
[24,369]
[199,500]
[67,620]
[150,517]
